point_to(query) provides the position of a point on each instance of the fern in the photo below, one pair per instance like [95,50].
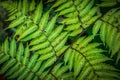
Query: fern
[86,59]
[109,31]
[44,34]
[79,14]
[14,58]
[51,44]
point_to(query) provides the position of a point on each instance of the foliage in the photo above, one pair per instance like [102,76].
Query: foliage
[58,41]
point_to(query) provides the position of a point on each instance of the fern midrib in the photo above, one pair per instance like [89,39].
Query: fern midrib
[110,24]
[49,42]
[43,31]
[79,17]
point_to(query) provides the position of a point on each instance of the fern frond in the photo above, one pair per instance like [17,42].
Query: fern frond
[109,31]
[14,58]
[86,60]
[79,14]
[45,37]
